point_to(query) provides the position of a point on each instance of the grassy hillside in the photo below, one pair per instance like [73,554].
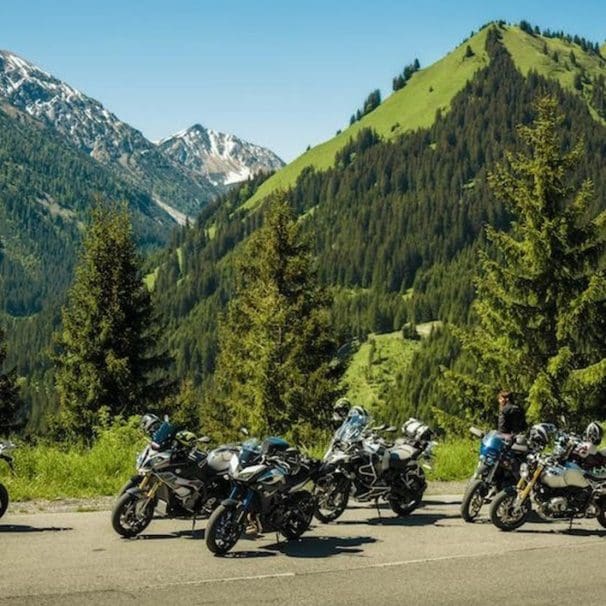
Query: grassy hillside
[414,106]
[528,53]
[375,367]
[434,87]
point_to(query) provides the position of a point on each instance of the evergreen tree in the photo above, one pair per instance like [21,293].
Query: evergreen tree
[541,298]
[106,342]
[275,372]
[9,399]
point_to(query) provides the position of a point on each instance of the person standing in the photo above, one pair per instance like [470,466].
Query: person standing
[511,416]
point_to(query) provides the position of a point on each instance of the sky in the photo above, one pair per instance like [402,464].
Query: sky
[281,74]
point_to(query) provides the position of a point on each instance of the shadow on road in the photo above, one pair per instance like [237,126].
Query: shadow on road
[416,519]
[177,534]
[321,547]
[571,532]
[27,528]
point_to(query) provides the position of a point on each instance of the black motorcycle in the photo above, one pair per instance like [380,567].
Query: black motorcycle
[360,463]
[5,449]
[190,481]
[268,494]
[498,466]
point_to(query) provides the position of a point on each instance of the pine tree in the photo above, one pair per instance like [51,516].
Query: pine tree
[106,344]
[541,298]
[9,398]
[275,372]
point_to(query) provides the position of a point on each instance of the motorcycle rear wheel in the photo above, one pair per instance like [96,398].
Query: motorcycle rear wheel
[473,499]
[223,530]
[300,515]
[501,514]
[332,500]
[4,499]
[128,519]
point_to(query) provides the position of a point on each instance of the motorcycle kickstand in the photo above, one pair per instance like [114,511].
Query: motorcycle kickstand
[570,525]
[193,524]
[378,510]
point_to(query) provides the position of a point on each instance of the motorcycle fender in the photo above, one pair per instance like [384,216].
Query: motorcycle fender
[230,503]
[135,491]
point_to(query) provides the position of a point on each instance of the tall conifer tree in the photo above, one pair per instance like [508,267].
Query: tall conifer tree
[107,339]
[274,371]
[541,298]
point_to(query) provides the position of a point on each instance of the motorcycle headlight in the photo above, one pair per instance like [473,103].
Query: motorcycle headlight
[524,473]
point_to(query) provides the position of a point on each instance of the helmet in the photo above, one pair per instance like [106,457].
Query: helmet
[539,435]
[340,409]
[594,433]
[149,423]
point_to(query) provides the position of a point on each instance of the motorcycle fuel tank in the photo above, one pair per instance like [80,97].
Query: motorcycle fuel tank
[560,476]
[218,459]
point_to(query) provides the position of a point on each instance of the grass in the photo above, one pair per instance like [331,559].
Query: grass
[150,279]
[415,106]
[527,53]
[370,373]
[454,460]
[57,471]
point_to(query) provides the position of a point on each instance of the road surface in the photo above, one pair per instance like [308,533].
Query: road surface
[431,557]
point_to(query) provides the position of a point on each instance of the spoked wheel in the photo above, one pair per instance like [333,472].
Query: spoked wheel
[3,500]
[474,498]
[503,513]
[601,517]
[332,498]
[223,529]
[132,514]
[300,512]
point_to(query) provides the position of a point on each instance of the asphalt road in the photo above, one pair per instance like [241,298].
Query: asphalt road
[431,557]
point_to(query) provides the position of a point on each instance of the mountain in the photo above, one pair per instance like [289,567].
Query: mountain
[223,159]
[395,207]
[181,176]
[430,91]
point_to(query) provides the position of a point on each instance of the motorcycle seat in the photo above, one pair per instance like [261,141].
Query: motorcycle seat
[400,455]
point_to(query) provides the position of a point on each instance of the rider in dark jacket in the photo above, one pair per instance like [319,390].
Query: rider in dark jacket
[511,416]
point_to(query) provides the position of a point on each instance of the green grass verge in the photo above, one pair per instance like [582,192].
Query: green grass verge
[454,459]
[58,471]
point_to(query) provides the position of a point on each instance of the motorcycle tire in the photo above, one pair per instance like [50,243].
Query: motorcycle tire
[502,501]
[223,530]
[601,517]
[3,500]
[402,507]
[122,516]
[340,495]
[302,505]
[473,499]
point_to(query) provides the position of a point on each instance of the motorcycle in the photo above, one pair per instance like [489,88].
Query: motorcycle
[556,486]
[362,464]
[268,493]
[191,482]
[498,466]
[5,449]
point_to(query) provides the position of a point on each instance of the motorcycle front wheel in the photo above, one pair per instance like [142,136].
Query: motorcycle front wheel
[332,498]
[132,514]
[473,499]
[3,500]
[502,513]
[223,529]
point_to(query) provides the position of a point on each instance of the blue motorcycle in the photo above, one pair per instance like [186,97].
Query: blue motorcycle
[498,467]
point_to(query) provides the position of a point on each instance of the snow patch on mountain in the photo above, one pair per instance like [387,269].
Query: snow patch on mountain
[223,158]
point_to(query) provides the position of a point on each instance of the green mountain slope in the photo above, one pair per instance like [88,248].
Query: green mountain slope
[433,88]
[407,109]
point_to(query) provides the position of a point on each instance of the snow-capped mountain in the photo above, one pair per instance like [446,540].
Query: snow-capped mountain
[223,158]
[181,174]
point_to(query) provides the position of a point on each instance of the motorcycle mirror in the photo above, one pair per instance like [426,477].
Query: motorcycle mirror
[379,427]
[204,439]
[478,433]
[244,431]
[391,429]
[166,418]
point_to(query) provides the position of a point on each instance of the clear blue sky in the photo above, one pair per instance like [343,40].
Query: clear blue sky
[283,74]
